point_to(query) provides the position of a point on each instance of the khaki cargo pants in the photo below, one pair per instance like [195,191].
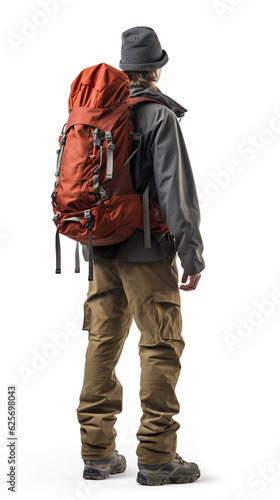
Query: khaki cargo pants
[149,293]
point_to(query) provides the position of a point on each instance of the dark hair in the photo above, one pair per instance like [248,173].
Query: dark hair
[142,78]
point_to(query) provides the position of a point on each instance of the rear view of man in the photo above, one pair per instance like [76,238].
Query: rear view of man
[134,282]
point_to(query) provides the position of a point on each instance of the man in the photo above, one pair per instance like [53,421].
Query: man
[131,281]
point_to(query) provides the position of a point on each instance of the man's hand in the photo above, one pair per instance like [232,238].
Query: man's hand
[194,279]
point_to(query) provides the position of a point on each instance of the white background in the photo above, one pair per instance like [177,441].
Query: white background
[225,69]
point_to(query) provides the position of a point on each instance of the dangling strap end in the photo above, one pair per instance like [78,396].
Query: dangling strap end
[148,243]
[87,216]
[57,253]
[146,219]
[90,261]
[77,259]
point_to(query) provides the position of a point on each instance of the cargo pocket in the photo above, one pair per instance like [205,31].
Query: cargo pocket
[87,317]
[145,319]
[167,307]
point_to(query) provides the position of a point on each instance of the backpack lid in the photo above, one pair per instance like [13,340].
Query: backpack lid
[99,96]
[99,86]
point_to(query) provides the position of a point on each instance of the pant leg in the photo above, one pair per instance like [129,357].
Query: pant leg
[154,298]
[108,320]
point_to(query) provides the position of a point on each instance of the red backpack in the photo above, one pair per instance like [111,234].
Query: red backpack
[94,201]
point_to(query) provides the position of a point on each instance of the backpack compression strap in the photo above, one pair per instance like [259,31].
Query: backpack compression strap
[110,153]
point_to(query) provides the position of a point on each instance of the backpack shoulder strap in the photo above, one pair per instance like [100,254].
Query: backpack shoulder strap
[136,100]
[145,198]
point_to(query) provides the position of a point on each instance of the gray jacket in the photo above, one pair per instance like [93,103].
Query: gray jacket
[163,159]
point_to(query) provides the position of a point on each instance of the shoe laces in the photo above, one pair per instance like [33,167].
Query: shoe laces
[177,457]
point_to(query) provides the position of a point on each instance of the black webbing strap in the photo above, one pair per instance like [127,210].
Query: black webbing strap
[90,251]
[166,242]
[57,252]
[58,255]
[146,217]
[77,255]
[77,258]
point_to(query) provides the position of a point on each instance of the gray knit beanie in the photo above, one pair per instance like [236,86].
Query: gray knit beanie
[141,50]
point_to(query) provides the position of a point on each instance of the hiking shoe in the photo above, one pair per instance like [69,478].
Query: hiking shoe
[176,471]
[100,469]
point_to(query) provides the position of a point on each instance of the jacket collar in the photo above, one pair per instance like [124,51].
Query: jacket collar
[157,94]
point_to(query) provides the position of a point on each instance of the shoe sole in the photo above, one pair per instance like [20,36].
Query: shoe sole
[161,479]
[98,474]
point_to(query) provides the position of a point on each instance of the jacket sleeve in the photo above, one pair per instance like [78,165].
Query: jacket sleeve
[176,190]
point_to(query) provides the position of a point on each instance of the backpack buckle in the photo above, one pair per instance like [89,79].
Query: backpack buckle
[103,193]
[109,139]
[56,218]
[63,139]
[96,138]
[87,216]
[108,135]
